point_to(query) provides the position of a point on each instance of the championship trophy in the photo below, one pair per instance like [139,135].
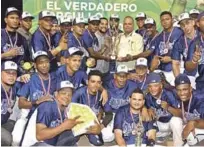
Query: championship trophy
[139,134]
[110,43]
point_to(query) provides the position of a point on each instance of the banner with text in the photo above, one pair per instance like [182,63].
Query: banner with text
[86,8]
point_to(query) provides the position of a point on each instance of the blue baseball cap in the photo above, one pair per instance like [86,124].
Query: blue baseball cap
[182,79]
[201,15]
[153,78]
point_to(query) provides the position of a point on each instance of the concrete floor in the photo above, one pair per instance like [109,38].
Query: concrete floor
[85,142]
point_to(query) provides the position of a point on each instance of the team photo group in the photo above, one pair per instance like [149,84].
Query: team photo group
[144,86]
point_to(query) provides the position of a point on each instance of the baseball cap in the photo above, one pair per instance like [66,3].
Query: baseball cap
[12,9]
[65,84]
[79,20]
[115,16]
[194,11]
[140,15]
[46,13]
[141,62]
[182,79]
[26,14]
[72,51]
[149,21]
[93,18]
[9,65]
[65,19]
[39,53]
[200,15]
[183,16]
[55,21]
[153,78]
[122,69]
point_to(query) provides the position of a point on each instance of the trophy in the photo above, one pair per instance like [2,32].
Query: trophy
[113,45]
[139,134]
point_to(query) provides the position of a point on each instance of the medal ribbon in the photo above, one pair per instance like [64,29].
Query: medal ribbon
[164,37]
[88,98]
[186,42]
[48,40]
[183,110]
[46,92]
[78,40]
[10,40]
[140,120]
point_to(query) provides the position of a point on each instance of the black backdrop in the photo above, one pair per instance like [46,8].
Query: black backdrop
[9,3]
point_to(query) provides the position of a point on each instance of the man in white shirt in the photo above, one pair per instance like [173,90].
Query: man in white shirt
[128,44]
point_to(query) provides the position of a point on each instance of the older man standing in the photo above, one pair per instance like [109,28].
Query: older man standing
[128,44]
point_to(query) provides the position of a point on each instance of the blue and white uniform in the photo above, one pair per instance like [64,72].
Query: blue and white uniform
[118,96]
[41,42]
[33,90]
[7,105]
[200,79]
[125,121]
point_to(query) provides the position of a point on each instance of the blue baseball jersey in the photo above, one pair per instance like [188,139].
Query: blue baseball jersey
[118,96]
[150,41]
[33,90]
[39,43]
[196,110]
[142,32]
[21,42]
[200,78]
[90,40]
[56,38]
[123,121]
[180,48]
[167,96]
[48,115]
[78,79]
[5,114]
[160,44]
[81,96]
[142,84]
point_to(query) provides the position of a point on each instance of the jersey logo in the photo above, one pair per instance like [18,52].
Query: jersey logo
[127,128]
[164,48]
[37,94]
[116,103]
[192,116]
[55,123]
